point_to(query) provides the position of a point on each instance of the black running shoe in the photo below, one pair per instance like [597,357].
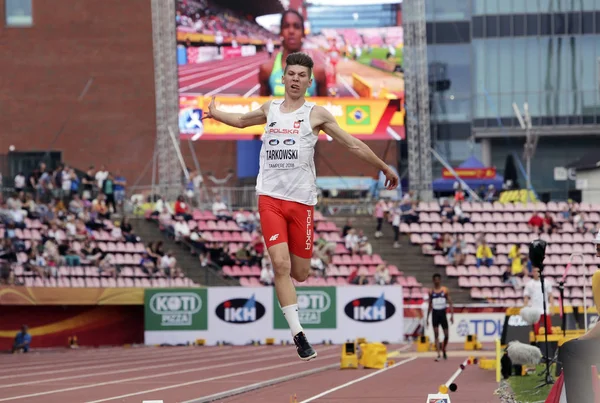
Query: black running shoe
[305,350]
[445,356]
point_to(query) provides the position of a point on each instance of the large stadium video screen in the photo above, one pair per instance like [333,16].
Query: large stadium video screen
[358,73]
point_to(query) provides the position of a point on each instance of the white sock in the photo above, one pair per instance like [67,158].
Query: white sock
[291,315]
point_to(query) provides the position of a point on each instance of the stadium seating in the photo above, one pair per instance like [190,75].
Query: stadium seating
[126,256]
[337,272]
[505,225]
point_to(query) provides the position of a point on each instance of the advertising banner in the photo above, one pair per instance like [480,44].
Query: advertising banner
[238,315]
[202,54]
[470,173]
[173,315]
[367,119]
[487,327]
[374,312]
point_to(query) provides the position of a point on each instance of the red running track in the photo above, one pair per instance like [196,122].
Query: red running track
[237,76]
[191,374]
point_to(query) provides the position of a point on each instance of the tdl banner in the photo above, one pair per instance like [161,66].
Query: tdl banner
[240,315]
[487,327]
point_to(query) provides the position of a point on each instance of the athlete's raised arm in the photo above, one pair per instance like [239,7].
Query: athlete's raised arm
[324,120]
[240,120]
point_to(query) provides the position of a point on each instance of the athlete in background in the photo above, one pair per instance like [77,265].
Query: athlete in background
[439,300]
[271,72]
[286,182]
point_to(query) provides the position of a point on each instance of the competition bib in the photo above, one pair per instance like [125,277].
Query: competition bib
[438,303]
[282,153]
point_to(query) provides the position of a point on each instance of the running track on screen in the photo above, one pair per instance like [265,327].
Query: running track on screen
[202,374]
[237,76]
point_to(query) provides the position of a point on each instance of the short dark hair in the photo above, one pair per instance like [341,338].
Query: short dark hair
[437,275]
[291,11]
[299,59]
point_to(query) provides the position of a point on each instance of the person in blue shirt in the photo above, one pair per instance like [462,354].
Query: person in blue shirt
[271,72]
[22,340]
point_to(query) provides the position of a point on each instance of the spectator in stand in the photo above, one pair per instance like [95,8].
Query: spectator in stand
[459,193]
[456,255]
[550,225]
[349,225]
[181,229]
[220,209]
[382,275]
[167,265]
[127,231]
[411,215]
[101,176]
[317,266]
[396,217]
[88,184]
[579,222]
[459,215]
[484,255]
[351,241]
[22,341]
[490,196]
[380,209]
[182,209]
[447,211]
[444,243]
[536,223]
[356,279]
[120,184]
[267,274]
[364,246]
[514,252]
[108,188]
[325,249]
[100,208]
[19,182]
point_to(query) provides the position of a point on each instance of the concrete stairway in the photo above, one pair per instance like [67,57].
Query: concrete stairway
[407,257]
[190,264]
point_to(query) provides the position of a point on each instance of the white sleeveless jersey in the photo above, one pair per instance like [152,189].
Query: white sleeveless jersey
[287,168]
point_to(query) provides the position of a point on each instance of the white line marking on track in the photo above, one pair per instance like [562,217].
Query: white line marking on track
[260,385]
[211,70]
[348,87]
[215,378]
[128,360]
[138,378]
[232,83]
[178,363]
[218,77]
[310,399]
[252,91]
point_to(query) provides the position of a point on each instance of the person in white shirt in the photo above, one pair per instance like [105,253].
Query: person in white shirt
[19,182]
[181,229]
[219,209]
[266,274]
[101,176]
[382,275]
[351,241]
[532,297]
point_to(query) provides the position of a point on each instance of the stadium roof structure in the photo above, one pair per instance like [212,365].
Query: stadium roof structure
[587,162]
[254,8]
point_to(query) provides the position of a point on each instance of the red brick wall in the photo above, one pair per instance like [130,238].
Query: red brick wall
[45,68]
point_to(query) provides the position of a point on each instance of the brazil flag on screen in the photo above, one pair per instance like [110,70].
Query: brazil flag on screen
[358,115]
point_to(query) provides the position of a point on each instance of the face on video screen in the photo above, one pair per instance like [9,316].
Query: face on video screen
[357,73]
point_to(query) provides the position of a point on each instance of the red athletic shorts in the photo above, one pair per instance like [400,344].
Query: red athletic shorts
[287,221]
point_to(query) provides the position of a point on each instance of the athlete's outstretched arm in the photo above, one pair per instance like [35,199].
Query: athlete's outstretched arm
[326,122]
[240,120]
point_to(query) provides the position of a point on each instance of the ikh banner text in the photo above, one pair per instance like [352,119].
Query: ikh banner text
[240,315]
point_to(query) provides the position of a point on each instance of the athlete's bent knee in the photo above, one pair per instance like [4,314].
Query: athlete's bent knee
[281,266]
[301,275]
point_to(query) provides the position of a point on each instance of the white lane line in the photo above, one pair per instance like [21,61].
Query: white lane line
[260,385]
[217,77]
[215,378]
[107,363]
[134,369]
[204,72]
[251,91]
[161,375]
[232,83]
[348,86]
[310,399]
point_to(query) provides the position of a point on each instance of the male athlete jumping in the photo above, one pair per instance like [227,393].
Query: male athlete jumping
[286,183]
[439,299]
